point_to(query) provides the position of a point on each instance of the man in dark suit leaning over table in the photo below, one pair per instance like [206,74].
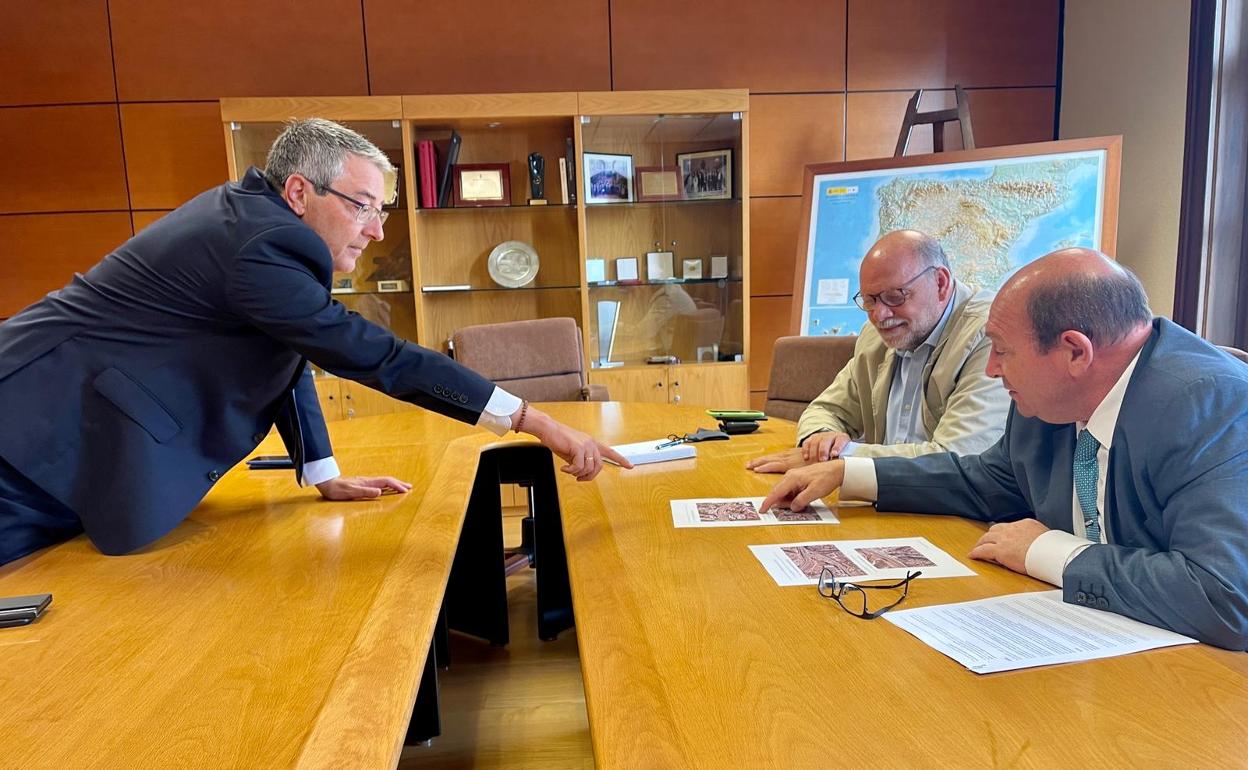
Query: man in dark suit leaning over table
[143,381]
[1123,472]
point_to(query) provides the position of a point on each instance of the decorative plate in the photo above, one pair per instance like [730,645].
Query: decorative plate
[513,264]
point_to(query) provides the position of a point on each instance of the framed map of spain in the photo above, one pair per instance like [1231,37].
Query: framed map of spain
[992,210]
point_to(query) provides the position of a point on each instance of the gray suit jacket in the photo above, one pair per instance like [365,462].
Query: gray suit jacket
[1176,496]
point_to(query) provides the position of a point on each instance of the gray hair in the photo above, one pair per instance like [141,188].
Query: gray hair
[1104,308]
[929,251]
[316,149]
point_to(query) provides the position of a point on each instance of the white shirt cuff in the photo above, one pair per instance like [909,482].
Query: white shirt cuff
[860,482]
[850,448]
[316,471]
[496,417]
[1050,553]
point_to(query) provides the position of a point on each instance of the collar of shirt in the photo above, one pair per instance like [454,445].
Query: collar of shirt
[934,337]
[1105,416]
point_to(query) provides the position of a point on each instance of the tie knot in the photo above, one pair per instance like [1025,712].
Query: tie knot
[1086,445]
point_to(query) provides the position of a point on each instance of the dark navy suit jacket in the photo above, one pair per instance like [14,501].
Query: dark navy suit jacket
[1176,496]
[129,392]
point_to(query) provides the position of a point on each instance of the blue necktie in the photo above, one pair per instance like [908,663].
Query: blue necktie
[1085,472]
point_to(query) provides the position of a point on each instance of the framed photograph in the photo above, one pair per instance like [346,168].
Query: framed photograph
[608,178]
[482,184]
[394,189]
[705,175]
[659,266]
[658,183]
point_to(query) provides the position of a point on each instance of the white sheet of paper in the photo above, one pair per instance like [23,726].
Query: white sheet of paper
[799,564]
[833,291]
[1004,633]
[743,512]
[654,451]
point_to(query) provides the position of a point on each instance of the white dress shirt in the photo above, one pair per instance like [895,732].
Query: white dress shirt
[1050,553]
[496,417]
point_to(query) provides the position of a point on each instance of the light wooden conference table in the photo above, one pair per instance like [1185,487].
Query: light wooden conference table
[275,630]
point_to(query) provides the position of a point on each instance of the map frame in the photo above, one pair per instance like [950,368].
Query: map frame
[817,173]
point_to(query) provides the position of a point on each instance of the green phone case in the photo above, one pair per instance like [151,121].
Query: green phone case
[735,414]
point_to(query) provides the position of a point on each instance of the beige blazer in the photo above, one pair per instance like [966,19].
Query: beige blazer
[963,408]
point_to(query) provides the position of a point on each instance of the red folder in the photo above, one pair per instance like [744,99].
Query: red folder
[428,170]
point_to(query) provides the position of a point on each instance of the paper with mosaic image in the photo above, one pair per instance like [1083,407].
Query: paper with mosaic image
[799,564]
[744,512]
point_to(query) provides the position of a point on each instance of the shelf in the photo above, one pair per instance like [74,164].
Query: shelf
[348,292]
[434,291]
[513,207]
[630,284]
[654,204]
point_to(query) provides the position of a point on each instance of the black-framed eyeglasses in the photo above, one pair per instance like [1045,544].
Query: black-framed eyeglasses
[890,297]
[364,213]
[853,597]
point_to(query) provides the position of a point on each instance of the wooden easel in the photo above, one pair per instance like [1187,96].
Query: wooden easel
[937,119]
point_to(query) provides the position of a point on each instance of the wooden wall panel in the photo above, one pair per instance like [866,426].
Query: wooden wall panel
[43,251]
[485,46]
[942,43]
[998,116]
[142,219]
[773,244]
[769,319]
[62,159]
[778,46]
[185,50]
[173,152]
[789,131]
[55,52]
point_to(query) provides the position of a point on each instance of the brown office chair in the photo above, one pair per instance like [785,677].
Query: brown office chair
[538,360]
[1240,354]
[801,369]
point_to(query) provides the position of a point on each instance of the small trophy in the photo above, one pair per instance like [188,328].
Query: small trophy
[537,179]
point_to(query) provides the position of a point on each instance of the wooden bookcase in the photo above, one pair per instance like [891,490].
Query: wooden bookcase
[441,254]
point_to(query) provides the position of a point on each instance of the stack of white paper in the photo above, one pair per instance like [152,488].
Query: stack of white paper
[1031,629]
[653,451]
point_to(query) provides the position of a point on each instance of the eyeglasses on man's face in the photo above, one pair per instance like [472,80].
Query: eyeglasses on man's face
[890,297]
[364,213]
[853,597]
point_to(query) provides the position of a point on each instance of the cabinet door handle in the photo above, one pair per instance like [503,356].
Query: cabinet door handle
[676,399]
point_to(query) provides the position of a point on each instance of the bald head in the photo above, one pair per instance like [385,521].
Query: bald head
[1076,290]
[1064,328]
[920,249]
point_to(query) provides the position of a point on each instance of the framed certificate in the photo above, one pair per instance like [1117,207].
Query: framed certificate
[658,183]
[482,184]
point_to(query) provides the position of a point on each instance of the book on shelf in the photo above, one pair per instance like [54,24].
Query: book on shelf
[563,181]
[448,156]
[427,167]
[570,157]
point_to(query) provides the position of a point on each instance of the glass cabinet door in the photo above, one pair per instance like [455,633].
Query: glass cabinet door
[380,286]
[664,241]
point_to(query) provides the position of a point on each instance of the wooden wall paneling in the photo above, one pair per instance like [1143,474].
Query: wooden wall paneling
[770,318]
[446,47]
[911,44]
[999,116]
[789,131]
[183,51]
[774,223]
[173,152]
[142,219]
[55,52]
[758,399]
[780,46]
[62,159]
[43,251]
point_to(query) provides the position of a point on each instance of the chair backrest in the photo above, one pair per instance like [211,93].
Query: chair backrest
[538,360]
[1240,354]
[801,369]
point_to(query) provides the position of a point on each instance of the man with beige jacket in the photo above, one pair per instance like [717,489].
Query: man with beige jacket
[916,383]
